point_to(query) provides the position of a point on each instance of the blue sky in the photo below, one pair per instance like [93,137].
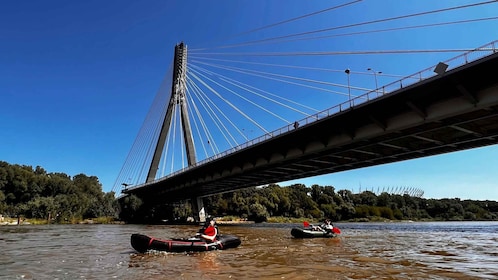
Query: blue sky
[77,78]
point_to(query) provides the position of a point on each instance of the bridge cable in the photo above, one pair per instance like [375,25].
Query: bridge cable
[388,29]
[243,98]
[293,66]
[213,116]
[292,19]
[229,120]
[196,92]
[371,22]
[175,130]
[349,34]
[248,88]
[129,173]
[207,104]
[365,52]
[229,103]
[226,117]
[154,121]
[288,20]
[223,129]
[267,74]
[196,115]
[170,140]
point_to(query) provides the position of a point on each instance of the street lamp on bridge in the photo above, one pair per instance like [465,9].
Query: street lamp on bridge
[375,77]
[347,71]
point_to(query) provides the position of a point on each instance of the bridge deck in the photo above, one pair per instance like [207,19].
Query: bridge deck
[451,112]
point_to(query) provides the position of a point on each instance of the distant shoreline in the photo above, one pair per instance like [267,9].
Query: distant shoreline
[221,221]
[234,222]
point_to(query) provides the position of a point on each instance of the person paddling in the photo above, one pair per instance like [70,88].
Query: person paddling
[210,232]
[327,226]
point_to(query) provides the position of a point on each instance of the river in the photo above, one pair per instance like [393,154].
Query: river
[429,250]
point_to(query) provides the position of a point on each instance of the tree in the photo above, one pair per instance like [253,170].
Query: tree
[258,213]
[129,207]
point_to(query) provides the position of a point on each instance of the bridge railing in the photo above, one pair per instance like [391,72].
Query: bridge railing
[424,74]
[452,63]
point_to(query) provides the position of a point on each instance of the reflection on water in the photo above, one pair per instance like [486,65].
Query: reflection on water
[364,251]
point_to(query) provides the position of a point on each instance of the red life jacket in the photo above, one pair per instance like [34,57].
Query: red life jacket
[210,233]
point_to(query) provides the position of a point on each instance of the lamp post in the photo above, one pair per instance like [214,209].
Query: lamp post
[347,71]
[375,77]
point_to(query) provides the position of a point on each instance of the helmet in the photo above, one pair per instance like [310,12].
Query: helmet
[209,219]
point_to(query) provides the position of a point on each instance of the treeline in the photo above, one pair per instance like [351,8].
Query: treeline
[318,202]
[56,197]
[59,198]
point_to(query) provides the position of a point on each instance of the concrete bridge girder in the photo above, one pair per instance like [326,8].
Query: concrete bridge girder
[276,157]
[294,152]
[442,110]
[378,122]
[417,109]
[467,94]
[236,170]
[260,162]
[314,146]
[339,140]
[247,166]
[419,115]
[368,131]
[488,97]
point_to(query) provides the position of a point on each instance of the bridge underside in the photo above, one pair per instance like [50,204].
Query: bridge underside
[451,112]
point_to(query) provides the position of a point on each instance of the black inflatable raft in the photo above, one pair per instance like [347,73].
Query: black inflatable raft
[309,233]
[143,243]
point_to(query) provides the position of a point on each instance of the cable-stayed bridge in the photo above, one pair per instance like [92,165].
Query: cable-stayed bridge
[191,146]
[452,111]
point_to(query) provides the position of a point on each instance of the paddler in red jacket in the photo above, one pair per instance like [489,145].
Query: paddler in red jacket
[210,233]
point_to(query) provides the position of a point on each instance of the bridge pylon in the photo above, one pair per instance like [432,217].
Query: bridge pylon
[178,98]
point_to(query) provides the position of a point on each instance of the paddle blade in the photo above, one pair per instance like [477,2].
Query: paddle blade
[306,224]
[336,230]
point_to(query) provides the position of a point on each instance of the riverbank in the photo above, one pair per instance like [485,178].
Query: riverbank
[23,221]
[226,220]
[238,222]
[14,223]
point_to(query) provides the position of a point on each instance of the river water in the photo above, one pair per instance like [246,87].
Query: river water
[446,250]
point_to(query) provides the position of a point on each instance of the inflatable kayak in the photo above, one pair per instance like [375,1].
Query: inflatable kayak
[310,233]
[143,243]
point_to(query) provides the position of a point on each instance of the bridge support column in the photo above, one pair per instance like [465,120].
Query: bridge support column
[198,209]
